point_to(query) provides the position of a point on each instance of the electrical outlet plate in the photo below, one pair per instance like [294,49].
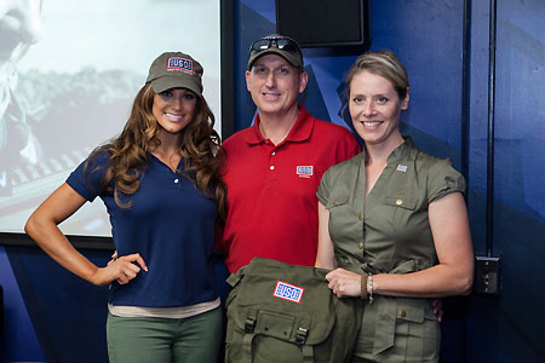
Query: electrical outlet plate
[487,275]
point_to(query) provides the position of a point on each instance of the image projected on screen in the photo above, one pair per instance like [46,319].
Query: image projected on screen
[69,71]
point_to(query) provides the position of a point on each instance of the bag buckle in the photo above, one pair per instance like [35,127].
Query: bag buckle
[301,336]
[249,325]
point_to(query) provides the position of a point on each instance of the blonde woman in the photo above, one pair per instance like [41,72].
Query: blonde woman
[393,223]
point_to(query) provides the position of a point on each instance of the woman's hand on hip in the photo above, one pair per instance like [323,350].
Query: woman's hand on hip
[122,270]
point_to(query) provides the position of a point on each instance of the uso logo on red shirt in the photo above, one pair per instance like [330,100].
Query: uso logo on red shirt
[305,171]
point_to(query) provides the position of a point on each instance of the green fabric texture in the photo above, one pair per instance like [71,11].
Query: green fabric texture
[388,230]
[313,326]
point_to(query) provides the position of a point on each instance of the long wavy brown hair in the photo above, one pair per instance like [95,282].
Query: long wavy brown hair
[199,145]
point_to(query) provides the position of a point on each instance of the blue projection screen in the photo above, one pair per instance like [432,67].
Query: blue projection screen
[69,71]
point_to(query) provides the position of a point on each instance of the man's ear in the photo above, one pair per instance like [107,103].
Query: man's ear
[303,81]
[248,74]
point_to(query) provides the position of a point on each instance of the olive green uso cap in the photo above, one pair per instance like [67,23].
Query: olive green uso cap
[175,70]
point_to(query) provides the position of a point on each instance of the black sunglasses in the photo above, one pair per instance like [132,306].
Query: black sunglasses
[280,43]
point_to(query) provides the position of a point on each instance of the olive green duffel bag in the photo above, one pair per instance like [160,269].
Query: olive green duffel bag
[278,312]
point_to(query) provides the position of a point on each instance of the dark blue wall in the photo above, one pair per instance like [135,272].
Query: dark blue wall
[508,329]
[450,118]
[51,315]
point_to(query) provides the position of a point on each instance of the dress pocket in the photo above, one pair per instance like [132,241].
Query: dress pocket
[417,331]
[400,201]
[337,202]
[401,209]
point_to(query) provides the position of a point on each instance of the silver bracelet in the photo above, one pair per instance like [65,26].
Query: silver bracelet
[370,279]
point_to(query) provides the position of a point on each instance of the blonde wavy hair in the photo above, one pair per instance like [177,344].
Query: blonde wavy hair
[199,145]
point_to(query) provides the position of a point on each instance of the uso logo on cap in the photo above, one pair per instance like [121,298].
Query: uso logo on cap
[289,292]
[180,64]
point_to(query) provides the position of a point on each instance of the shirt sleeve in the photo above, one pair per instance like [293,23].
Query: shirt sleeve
[444,179]
[86,178]
[323,189]
[347,147]
[350,147]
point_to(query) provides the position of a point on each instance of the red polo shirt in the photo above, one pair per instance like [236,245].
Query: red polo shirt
[271,195]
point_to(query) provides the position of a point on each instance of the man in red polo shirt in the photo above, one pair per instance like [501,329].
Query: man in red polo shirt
[273,168]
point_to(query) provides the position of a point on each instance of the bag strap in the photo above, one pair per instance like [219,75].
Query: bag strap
[234,278]
[301,338]
[308,354]
[249,334]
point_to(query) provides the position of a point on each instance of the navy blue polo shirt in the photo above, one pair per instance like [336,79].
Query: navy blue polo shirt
[171,224]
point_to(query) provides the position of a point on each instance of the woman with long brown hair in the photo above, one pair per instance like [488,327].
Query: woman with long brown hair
[160,181]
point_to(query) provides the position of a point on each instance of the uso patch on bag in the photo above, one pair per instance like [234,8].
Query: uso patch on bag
[289,292]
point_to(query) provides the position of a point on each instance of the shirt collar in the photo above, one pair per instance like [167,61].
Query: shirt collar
[398,153]
[402,150]
[300,131]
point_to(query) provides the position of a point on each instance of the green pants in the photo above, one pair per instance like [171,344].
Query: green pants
[158,340]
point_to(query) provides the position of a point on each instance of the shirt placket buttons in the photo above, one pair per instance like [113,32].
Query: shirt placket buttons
[272,166]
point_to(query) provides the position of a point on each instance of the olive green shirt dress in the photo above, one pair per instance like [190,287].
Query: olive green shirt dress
[388,232]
